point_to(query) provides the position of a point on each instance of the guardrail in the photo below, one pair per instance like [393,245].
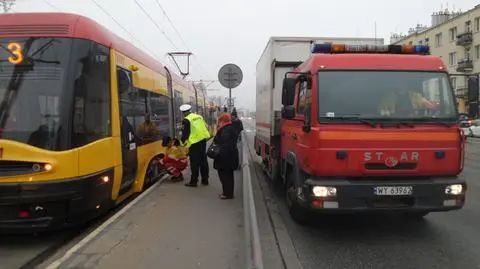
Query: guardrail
[252,236]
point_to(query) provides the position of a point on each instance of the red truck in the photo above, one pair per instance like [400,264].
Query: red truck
[361,128]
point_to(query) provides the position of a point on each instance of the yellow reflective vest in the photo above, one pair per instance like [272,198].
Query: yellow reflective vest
[388,104]
[198,129]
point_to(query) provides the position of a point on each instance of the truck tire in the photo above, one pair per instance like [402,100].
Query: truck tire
[297,212]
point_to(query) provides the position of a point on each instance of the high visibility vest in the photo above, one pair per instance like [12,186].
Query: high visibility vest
[198,129]
[417,101]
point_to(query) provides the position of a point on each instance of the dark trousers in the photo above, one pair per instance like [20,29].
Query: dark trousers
[198,161]
[228,182]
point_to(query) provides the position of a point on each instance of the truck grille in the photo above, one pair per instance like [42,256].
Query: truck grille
[391,202]
[382,166]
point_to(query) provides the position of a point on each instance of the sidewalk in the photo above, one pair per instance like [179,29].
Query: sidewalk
[172,227]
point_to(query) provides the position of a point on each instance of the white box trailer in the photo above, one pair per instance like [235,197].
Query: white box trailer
[281,55]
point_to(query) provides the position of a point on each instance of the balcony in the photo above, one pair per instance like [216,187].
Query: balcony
[461,93]
[465,65]
[465,39]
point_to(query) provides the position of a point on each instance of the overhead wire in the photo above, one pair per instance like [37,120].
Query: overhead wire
[179,35]
[156,24]
[171,23]
[126,31]
[130,34]
[51,5]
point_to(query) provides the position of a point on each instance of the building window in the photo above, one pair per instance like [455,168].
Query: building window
[452,33]
[452,58]
[477,52]
[476,25]
[438,40]
[468,26]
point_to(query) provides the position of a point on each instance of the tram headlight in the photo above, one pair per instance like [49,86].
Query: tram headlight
[105,179]
[48,167]
[42,167]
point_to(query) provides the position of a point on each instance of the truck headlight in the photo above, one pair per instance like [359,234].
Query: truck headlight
[323,191]
[454,189]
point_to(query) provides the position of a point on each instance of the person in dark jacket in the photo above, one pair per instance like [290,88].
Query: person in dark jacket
[237,123]
[227,160]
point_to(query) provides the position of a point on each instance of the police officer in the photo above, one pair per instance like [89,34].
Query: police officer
[195,135]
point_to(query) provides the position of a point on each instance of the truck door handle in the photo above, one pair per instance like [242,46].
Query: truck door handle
[295,137]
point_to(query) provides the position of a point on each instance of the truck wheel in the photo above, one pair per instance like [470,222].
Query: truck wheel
[297,212]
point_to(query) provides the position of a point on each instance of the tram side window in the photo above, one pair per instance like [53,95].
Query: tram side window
[145,130]
[193,104]
[160,113]
[178,101]
[92,99]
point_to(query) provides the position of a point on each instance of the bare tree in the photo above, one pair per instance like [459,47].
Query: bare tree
[7,5]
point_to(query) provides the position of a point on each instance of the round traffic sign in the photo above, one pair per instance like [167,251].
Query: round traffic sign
[230,76]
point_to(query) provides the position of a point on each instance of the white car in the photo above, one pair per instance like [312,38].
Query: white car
[465,126]
[474,128]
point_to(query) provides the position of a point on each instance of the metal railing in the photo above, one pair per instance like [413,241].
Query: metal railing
[252,235]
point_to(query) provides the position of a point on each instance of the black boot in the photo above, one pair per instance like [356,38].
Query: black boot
[191,184]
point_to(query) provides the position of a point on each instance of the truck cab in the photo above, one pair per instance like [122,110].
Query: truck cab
[370,128]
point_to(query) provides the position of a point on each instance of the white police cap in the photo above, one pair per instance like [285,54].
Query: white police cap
[185,107]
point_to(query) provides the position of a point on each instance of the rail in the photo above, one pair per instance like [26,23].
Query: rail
[252,236]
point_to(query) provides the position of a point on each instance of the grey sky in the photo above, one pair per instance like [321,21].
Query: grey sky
[220,31]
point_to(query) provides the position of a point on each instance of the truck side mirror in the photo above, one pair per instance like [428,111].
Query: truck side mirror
[307,125]
[308,79]
[288,112]
[288,91]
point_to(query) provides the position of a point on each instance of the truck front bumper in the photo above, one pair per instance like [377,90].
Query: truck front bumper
[359,195]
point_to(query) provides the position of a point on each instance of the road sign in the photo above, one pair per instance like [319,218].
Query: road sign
[230,76]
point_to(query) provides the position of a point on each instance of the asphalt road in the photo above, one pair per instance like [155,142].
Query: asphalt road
[441,240]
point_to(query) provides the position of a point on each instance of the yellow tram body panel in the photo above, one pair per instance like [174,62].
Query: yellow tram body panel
[83,178]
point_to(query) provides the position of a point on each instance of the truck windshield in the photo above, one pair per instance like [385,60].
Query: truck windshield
[32,76]
[390,95]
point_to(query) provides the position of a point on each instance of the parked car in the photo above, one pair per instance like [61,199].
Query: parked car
[474,128]
[465,126]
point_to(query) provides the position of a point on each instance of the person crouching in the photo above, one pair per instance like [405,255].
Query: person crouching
[175,159]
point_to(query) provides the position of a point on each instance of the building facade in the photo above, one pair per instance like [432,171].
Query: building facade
[455,37]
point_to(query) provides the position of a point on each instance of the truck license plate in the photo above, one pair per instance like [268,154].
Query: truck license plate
[393,190]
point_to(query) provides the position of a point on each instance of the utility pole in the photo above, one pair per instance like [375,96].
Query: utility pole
[7,5]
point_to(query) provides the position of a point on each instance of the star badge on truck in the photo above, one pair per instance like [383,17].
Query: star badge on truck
[391,161]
